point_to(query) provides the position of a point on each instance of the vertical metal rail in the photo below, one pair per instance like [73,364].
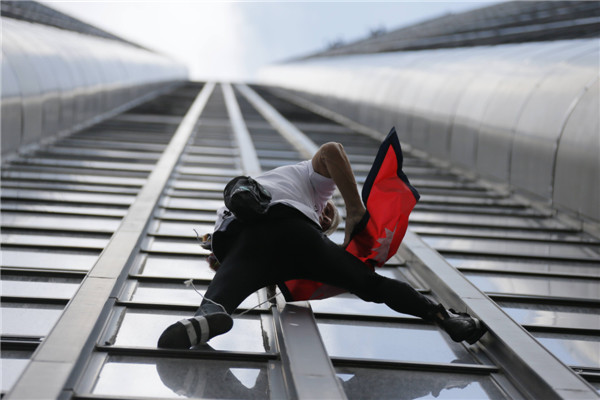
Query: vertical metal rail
[308,372]
[72,338]
[299,140]
[530,366]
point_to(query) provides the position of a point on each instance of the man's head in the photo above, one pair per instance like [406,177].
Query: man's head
[329,218]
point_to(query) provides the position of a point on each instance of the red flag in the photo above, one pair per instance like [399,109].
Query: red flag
[389,198]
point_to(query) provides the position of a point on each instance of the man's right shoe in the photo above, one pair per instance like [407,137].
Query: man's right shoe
[210,321]
[460,326]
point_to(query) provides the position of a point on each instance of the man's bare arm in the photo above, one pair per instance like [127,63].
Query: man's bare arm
[332,162]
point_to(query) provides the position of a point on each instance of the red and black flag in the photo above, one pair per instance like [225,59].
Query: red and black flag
[389,198]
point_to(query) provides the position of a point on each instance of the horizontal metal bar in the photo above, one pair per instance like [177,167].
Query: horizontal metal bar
[154,353]
[559,301]
[419,366]
[250,162]
[181,307]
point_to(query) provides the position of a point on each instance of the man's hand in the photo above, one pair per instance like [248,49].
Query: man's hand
[332,162]
[352,219]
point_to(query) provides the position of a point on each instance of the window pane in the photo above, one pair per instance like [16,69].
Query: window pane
[143,328]
[64,209]
[48,260]
[13,364]
[162,293]
[390,341]
[28,320]
[542,315]
[177,267]
[63,222]
[176,378]
[193,204]
[363,383]
[514,247]
[535,266]
[190,246]
[27,286]
[71,197]
[539,286]
[49,240]
[352,305]
[576,351]
[183,228]
[189,215]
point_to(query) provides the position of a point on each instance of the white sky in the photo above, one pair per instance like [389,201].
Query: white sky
[232,40]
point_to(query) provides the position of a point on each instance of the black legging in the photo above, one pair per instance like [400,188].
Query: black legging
[287,245]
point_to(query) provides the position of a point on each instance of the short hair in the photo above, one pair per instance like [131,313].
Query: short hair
[335,220]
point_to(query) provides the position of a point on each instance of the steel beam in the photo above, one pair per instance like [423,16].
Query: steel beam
[308,371]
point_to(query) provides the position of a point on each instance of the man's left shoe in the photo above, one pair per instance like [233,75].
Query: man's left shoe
[197,330]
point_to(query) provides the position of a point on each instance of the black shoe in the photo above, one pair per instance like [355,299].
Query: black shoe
[193,331]
[460,326]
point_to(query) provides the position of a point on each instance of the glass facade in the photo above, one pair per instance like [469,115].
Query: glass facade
[539,271]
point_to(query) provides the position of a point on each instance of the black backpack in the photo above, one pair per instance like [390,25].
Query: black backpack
[247,199]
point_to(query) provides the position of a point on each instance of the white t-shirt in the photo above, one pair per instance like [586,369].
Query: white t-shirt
[298,186]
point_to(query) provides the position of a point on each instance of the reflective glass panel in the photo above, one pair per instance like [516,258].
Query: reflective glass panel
[73,197]
[390,341]
[198,185]
[26,286]
[141,328]
[514,247]
[29,320]
[221,172]
[497,233]
[54,240]
[62,222]
[193,204]
[534,266]
[364,383]
[483,220]
[189,215]
[13,363]
[183,228]
[352,305]
[162,293]
[47,260]
[190,246]
[177,267]
[573,351]
[177,378]
[64,209]
[539,315]
[542,286]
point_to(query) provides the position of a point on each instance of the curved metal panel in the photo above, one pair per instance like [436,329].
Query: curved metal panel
[66,79]
[578,157]
[492,68]
[28,82]
[11,127]
[497,109]
[43,59]
[502,112]
[542,119]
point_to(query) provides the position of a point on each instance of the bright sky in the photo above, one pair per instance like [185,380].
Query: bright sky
[232,40]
